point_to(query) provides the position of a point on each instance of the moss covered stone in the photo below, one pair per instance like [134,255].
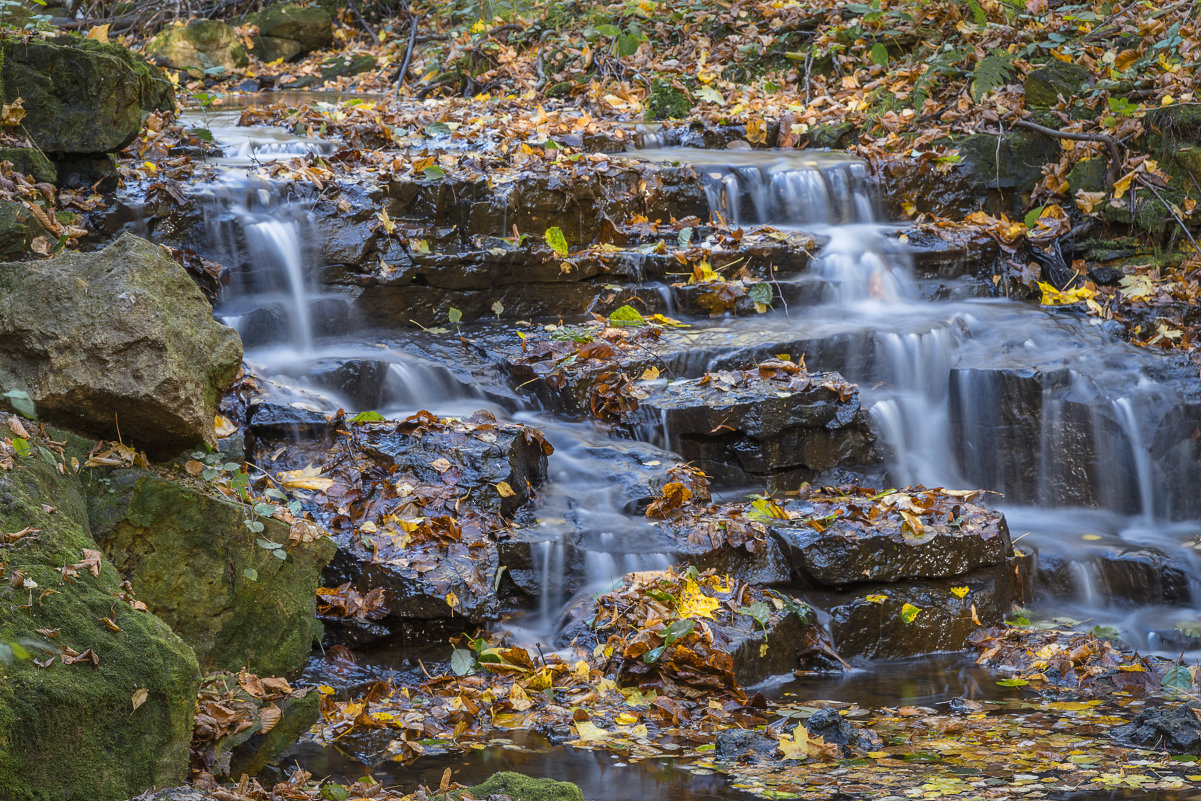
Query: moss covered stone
[270,48]
[1046,84]
[71,732]
[520,787]
[1010,163]
[116,342]
[311,28]
[18,229]
[198,47]
[81,95]
[666,102]
[31,162]
[192,560]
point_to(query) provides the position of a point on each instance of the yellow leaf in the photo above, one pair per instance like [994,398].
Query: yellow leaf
[960,592]
[1054,297]
[877,599]
[504,489]
[1132,668]
[590,732]
[308,478]
[12,113]
[1090,537]
[694,603]
[518,698]
[1125,60]
[139,696]
[224,427]
[650,373]
[387,222]
[1122,185]
[452,600]
[909,613]
[626,719]
[1087,201]
[581,671]
[99,33]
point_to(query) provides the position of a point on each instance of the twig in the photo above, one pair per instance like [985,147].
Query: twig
[1144,182]
[354,9]
[404,66]
[1115,155]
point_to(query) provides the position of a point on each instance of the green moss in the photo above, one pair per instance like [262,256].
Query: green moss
[31,162]
[70,732]
[18,228]
[667,102]
[520,787]
[188,555]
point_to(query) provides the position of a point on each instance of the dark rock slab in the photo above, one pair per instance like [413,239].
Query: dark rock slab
[737,744]
[835,729]
[1174,728]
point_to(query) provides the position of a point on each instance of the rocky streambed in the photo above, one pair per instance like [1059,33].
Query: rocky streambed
[565,458]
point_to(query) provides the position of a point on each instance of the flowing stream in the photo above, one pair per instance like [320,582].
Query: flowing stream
[1089,443]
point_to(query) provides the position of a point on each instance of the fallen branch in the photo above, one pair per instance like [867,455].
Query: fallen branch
[1115,154]
[354,9]
[404,66]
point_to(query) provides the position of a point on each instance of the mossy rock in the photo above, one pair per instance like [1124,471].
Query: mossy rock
[1087,175]
[256,751]
[830,136]
[311,28]
[192,560]
[270,48]
[343,66]
[666,102]
[77,732]
[18,228]
[520,787]
[1047,83]
[31,162]
[200,46]
[80,95]
[1010,163]
[1176,125]
[560,89]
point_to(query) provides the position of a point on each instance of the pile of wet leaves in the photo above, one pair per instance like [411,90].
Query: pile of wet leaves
[1079,663]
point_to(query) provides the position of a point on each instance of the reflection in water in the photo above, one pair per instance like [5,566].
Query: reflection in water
[600,776]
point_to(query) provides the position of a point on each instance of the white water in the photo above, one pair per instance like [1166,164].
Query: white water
[1049,410]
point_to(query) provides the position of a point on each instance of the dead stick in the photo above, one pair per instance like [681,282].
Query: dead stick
[1144,182]
[354,9]
[404,66]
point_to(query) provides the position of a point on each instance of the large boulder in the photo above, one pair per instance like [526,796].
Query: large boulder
[192,560]
[106,710]
[199,46]
[80,95]
[310,28]
[116,343]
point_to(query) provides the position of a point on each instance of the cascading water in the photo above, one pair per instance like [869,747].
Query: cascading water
[990,394]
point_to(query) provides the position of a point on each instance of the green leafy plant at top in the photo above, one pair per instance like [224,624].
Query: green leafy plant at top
[623,42]
[16,16]
[993,71]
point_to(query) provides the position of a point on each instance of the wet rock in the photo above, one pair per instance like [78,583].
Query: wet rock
[1055,79]
[843,553]
[116,343]
[18,229]
[837,730]
[775,424]
[736,744]
[360,381]
[273,419]
[31,162]
[520,787]
[459,479]
[81,96]
[870,622]
[1121,577]
[310,28]
[200,46]
[192,561]
[69,730]
[1174,728]
[272,48]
